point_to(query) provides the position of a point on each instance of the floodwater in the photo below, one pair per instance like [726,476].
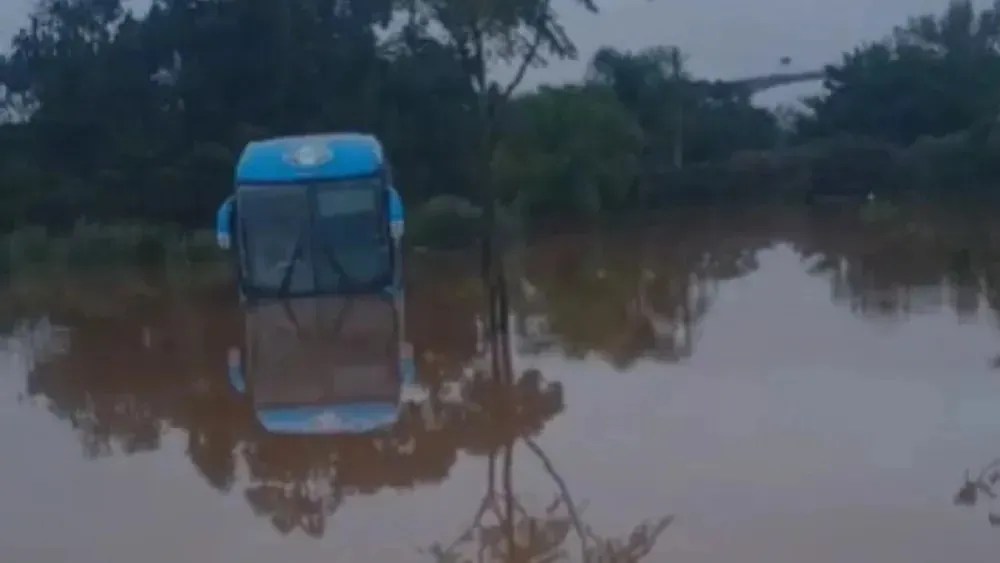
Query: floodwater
[752,386]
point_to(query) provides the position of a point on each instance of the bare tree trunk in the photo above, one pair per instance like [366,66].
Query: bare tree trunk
[508,488]
[679,137]
[675,63]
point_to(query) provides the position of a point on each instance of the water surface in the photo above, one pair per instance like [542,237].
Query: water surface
[766,385]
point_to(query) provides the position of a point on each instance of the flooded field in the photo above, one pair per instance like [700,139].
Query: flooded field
[747,386]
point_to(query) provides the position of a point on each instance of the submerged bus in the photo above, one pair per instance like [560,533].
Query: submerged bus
[316,225]
[313,215]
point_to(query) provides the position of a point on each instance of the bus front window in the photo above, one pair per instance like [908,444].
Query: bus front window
[351,236]
[325,238]
[275,226]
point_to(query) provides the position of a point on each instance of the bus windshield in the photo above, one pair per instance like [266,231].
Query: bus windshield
[325,238]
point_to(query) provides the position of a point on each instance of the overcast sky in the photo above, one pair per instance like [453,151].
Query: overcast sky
[724,38]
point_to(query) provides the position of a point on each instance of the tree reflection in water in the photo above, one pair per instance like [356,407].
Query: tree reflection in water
[984,485]
[502,529]
[126,380]
[299,482]
[625,296]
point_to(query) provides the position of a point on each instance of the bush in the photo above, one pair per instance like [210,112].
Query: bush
[445,222]
[569,151]
[842,166]
[851,166]
[952,162]
[93,246]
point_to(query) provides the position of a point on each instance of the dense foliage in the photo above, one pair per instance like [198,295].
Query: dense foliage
[109,115]
[931,77]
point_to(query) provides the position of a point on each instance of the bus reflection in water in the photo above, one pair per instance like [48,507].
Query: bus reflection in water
[326,365]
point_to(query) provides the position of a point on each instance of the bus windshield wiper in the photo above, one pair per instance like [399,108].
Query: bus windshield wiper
[286,281]
[339,268]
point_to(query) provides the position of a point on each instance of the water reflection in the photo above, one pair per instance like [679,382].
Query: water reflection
[914,260]
[327,404]
[502,529]
[985,487]
[32,343]
[458,374]
[647,289]
[627,296]
[326,365]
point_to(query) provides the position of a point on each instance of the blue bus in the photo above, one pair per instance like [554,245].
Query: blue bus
[316,225]
[313,215]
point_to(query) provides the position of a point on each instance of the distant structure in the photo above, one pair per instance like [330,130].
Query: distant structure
[758,84]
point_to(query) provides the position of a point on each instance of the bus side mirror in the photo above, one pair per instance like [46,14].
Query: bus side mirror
[223,224]
[396,214]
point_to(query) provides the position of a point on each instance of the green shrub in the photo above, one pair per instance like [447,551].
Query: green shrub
[445,222]
[852,166]
[28,245]
[91,246]
[198,247]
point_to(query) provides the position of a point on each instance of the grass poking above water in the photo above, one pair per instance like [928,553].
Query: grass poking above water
[90,246]
[443,223]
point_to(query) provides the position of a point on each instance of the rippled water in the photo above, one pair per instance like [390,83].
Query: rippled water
[763,385]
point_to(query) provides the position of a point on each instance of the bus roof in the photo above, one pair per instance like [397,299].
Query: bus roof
[328,156]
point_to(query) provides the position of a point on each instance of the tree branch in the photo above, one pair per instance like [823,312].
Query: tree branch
[525,63]
[564,491]
[479,57]
[489,501]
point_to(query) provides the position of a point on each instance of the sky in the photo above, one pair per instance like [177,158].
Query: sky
[723,38]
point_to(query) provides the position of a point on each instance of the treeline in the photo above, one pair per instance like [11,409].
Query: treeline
[110,116]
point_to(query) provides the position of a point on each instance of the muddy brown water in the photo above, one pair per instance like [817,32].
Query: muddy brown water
[767,385]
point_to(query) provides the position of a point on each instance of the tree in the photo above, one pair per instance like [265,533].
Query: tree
[654,85]
[933,76]
[483,33]
[427,118]
[572,150]
[143,117]
[690,120]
